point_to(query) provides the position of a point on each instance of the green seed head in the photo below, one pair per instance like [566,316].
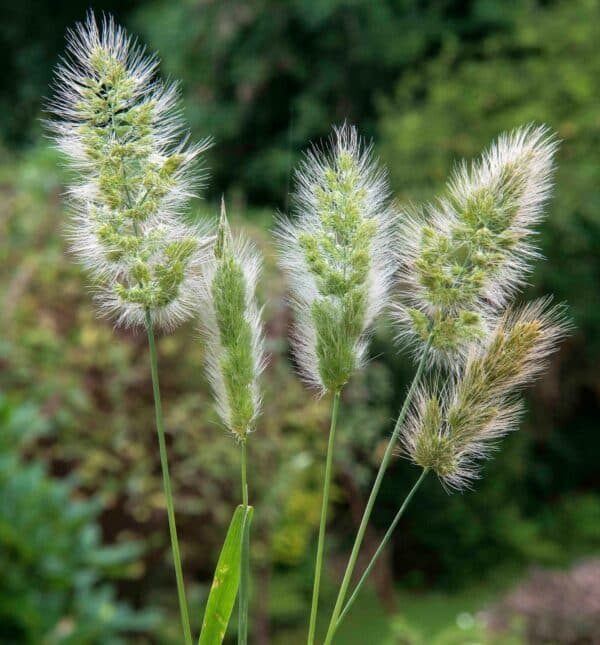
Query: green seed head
[231,323]
[339,257]
[467,255]
[118,124]
[454,429]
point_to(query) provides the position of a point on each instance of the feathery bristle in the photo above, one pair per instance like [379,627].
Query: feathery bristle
[121,130]
[451,429]
[466,255]
[231,325]
[339,256]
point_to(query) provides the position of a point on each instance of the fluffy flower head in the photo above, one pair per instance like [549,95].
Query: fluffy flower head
[451,429]
[338,254]
[120,128]
[231,325]
[467,254]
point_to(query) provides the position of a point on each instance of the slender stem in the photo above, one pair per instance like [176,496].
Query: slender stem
[324,505]
[381,547]
[244,478]
[373,495]
[245,558]
[185,621]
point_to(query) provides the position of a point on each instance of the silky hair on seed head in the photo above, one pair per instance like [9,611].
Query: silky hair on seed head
[121,129]
[230,322]
[339,255]
[452,428]
[466,255]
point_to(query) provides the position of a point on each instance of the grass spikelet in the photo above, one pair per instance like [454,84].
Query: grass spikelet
[120,128]
[339,256]
[231,325]
[451,429]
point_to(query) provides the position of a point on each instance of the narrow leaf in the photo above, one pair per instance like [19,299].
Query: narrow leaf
[225,582]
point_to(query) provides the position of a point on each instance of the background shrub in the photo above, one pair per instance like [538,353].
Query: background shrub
[54,569]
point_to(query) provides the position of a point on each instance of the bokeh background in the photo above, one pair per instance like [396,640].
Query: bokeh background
[84,555]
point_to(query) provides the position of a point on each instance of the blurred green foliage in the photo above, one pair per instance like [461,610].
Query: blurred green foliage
[468,629]
[264,77]
[53,567]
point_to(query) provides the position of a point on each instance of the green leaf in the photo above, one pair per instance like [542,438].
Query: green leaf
[225,582]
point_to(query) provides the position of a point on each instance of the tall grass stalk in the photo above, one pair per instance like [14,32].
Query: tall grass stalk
[373,496]
[323,523]
[380,548]
[121,129]
[231,324]
[164,464]
[338,254]
[245,555]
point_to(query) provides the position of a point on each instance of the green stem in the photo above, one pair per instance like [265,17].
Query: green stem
[373,495]
[244,478]
[381,547]
[324,505]
[245,559]
[185,621]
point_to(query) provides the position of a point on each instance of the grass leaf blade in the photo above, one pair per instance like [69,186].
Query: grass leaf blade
[225,582]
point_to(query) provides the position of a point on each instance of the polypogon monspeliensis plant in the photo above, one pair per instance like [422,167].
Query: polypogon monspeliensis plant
[339,254]
[122,131]
[230,321]
[450,269]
